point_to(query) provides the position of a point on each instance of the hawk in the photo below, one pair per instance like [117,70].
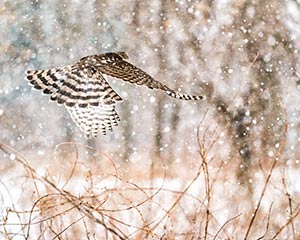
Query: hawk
[86,94]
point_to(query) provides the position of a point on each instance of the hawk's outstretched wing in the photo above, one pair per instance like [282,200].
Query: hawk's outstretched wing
[84,91]
[114,64]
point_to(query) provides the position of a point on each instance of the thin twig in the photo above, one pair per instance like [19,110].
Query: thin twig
[228,221]
[203,154]
[286,224]
[290,205]
[268,223]
[260,198]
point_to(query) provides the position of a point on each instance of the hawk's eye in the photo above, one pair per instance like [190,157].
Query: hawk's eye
[93,70]
[89,69]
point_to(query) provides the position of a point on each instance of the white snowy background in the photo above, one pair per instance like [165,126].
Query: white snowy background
[243,56]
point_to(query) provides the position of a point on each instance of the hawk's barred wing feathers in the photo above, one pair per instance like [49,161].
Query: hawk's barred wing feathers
[117,67]
[86,94]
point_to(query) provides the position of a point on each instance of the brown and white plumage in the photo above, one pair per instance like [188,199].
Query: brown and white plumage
[87,95]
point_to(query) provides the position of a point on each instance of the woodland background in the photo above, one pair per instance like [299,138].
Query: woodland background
[243,56]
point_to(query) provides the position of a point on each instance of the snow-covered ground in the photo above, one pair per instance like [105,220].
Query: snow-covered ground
[77,198]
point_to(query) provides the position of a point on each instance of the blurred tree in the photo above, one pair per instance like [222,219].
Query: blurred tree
[260,45]
[162,66]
